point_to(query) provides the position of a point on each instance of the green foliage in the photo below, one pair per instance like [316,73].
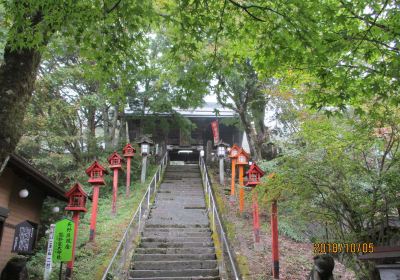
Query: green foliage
[335,179]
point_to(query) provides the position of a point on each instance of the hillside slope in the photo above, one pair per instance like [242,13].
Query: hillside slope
[296,258]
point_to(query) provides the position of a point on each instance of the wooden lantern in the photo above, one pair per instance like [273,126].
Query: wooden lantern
[241,160]
[253,175]
[145,142]
[77,203]
[128,150]
[96,174]
[234,151]
[242,157]
[115,161]
[77,199]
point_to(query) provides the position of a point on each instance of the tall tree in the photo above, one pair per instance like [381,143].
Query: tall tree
[240,89]
[31,25]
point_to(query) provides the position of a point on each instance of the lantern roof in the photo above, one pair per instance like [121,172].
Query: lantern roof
[128,146]
[254,168]
[76,188]
[234,147]
[113,156]
[145,139]
[95,165]
[243,152]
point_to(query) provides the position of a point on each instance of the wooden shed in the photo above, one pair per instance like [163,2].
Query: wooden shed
[22,192]
[196,135]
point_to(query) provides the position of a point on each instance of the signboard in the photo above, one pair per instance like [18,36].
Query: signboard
[215,130]
[49,262]
[63,240]
[24,238]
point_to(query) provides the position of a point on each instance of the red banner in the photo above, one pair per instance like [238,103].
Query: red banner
[215,130]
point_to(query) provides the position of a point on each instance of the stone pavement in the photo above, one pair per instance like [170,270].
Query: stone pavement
[176,242]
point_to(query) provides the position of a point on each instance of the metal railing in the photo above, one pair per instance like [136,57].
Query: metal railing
[228,262]
[118,267]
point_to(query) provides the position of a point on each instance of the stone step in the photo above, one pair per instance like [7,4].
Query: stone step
[172,257]
[179,278]
[176,226]
[166,234]
[174,223]
[174,230]
[174,273]
[174,265]
[193,181]
[180,190]
[176,239]
[182,169]
[181,196]
[179,251]
[175,244]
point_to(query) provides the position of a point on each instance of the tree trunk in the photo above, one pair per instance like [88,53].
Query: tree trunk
[106,128]
[17,79]
[114,123]
[91,133]
[122,130]
[251,136]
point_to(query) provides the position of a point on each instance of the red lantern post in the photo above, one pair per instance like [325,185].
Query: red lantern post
[254,175]
[242,160]
[96,178]
[77,203]
[233,153]
[128,152]
[115,161]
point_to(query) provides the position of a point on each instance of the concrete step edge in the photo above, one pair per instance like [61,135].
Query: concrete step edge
[176,256]
[178,278]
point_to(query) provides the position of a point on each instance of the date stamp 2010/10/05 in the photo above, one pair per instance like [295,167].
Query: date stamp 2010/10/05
[326,248]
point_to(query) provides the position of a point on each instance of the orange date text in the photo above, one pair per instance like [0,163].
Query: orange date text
[333,248]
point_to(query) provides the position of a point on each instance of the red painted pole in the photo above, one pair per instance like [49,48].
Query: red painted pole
[70,264]
[241,190]
[233,177]
[256,221]
[128,176]
[275,247]
[115,191]
[96,190]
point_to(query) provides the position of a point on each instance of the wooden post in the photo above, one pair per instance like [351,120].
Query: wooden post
[70,264]
[144,166]
[115,191]
[256,218]
[221,171]
[275,247]
[128,176]
[233,177]
[241,189]
[96,190]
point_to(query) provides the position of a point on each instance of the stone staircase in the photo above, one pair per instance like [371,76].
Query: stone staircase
[176,242]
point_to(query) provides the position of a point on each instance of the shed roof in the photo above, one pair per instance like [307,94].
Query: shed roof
[207,110]
[21,166]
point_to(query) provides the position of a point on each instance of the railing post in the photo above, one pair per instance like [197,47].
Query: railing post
[148,197]
[140,217]
[213,217]
[222,248]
